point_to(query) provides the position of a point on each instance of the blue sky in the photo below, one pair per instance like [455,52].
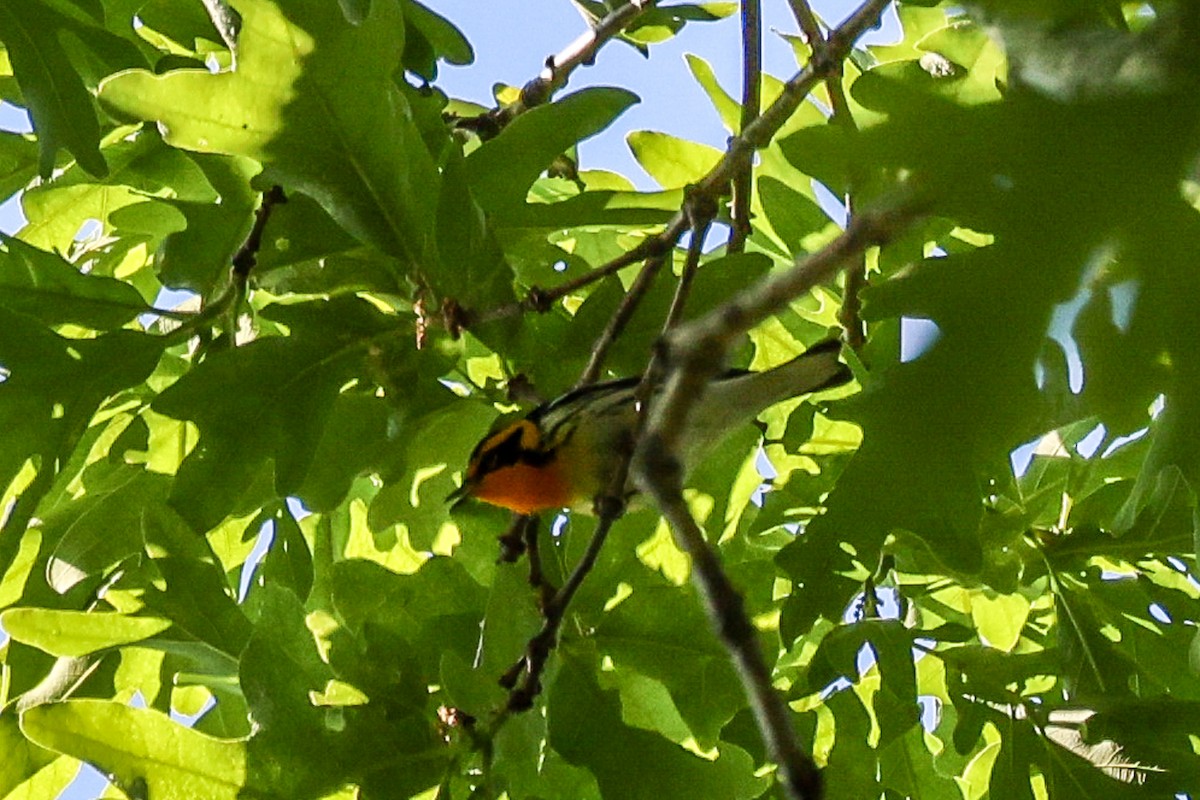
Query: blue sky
[512,39]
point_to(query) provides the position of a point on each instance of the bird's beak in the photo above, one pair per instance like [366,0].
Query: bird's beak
[456,498]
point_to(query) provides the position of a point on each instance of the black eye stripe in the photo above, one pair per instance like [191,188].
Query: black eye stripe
[505,453]
[505,449]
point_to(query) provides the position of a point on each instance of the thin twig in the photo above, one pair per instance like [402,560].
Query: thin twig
[246,258]
[743,180]
[620,318]
[807,20]
[850,314]
[524,679]
[760,132]
[557,69]
[537,577]
[701,210]
[542,300]
[581,52]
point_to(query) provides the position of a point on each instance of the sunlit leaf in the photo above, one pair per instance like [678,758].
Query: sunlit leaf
[140,748]
[289,102]
[77,633]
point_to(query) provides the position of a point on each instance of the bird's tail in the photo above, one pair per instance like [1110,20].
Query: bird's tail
[814,370]
[740,396]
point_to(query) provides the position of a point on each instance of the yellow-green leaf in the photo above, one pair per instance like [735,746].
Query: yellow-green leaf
[139,747]
[77,633]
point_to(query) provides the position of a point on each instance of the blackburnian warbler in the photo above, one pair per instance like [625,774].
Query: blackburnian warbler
[565,452]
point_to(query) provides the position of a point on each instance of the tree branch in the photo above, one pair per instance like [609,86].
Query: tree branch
[697,347]
[807,20]
[694,353]
[246,258]
[727,615]
[524,678]
[225,20]
[581,52]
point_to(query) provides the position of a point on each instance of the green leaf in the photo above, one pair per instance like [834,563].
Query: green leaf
[103,525]
[586,729]
[312,97]
[434,446]
[305,252]
[368,596]
[289,561]
[907,767]
[46,286]
[793,216]
[660,23]
[729,109]
[1155,734]
[141,168]
[53,386]
[431,37]
[714,282]
[227,396]
[140,748]
[672,162]
[189,587]
[852,766]
[198,257]
[49,781]
[501,171]
[22,758]
[510,620]
[472,267]
[18,162]
[279,668]
[662,633]
[77,633]
[999,618]
[62,109]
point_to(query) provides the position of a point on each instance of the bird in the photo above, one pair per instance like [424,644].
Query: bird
[564,453]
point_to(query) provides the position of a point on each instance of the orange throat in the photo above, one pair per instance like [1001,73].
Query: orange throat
[525,489]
